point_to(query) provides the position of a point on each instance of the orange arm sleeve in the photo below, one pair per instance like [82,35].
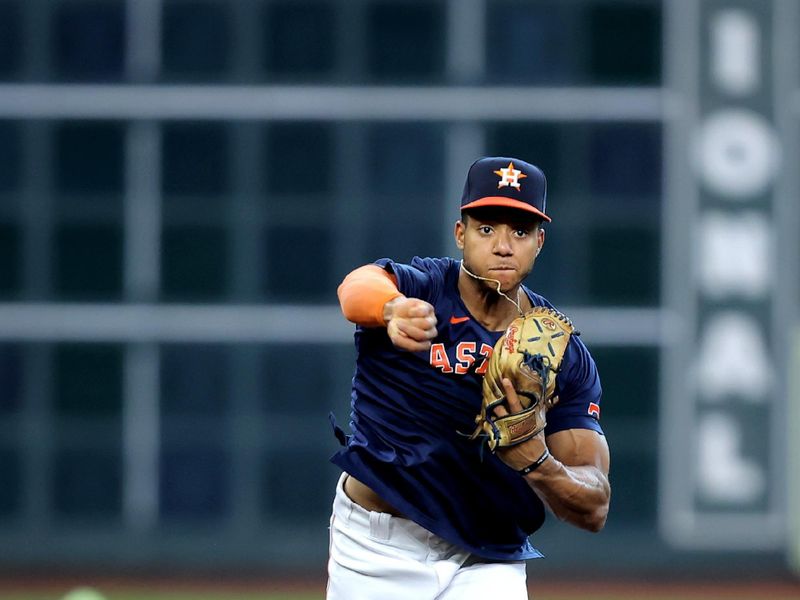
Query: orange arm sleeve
[363,294]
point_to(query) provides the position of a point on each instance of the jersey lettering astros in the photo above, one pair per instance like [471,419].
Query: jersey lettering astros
[411,413]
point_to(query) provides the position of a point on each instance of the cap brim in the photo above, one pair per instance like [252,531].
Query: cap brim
[508,203]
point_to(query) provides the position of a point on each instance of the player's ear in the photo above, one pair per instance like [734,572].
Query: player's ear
[458,234]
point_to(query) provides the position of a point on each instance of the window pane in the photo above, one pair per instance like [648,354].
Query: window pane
[285,377]
[88,261]
[391,233]
[194,263]
[10,151]
[300,38]
[194,483]
[624,267]
[635,488]
[299,264]
[564,252]
[89,157]
[628,396]
[628,414]
[528,43]
[10,481]
[287,496]
[405,41]
[194,379]
[10,260]
[88,482]
[405,159]
[88,379]
[624,43]
[626,160]
[195,159]
[299,157]
[10,39]
[89,41]
[197,39]
[404,178]
[10,378]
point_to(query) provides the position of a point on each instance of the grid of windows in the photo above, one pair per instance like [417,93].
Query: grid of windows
[363,41]
[278,212]
[603,193]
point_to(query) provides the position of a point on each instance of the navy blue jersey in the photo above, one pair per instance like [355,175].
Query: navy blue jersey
[412,412]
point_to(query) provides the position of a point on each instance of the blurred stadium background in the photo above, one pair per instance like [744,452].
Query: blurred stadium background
[184,182]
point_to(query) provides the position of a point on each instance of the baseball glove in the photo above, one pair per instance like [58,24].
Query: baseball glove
[529,353]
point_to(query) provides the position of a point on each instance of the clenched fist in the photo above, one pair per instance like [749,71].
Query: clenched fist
[410,323]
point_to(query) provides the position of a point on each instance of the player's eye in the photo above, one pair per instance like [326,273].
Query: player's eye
[485,229]
[521,232]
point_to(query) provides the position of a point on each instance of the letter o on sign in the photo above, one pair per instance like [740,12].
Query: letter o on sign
[737,153]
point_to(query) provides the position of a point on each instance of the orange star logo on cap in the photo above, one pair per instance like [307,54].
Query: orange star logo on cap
[509,176]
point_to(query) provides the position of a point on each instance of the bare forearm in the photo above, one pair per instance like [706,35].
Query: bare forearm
[577,495]
[568,470]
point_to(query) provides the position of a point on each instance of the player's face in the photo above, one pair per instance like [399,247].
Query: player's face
[500,244]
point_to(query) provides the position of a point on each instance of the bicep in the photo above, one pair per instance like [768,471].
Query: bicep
[580,447]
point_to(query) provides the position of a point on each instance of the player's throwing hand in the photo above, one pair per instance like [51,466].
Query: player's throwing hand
[410,323]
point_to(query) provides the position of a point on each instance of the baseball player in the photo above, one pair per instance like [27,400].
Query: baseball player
[423,509]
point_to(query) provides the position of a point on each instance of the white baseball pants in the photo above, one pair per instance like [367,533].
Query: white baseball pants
[377,556]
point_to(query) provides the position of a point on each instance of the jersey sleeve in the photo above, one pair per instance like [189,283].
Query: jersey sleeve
[579,391]
[422,279]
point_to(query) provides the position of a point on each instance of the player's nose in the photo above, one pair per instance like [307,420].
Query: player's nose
[503,245]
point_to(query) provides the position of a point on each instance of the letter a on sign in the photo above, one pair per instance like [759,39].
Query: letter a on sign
[733,358]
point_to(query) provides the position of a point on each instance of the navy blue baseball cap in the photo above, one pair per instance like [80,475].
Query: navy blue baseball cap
[504,181]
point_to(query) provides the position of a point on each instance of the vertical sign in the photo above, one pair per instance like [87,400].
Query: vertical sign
[720,486]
